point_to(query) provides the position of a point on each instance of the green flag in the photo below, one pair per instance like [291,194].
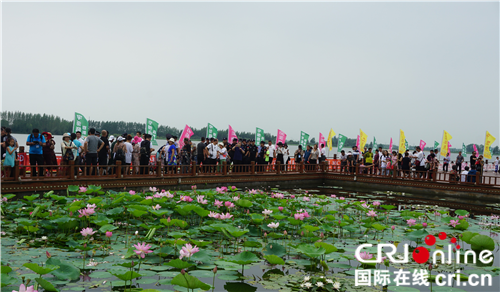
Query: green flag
[341,143]
[80,124]
[436,144]
[152,129]
[259,135]
[211,131]
[374,143]
[406,145]
[464,150]
[304,139]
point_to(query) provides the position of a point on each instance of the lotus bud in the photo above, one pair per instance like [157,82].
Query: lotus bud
[168,219]
[461,217]
[70,213]
[302,233]
[280,208]
[424,225]
[265,234]
[183,272]
[109,234]
[137,233]
[285,233]
[47,254]
[393,227]
[215,270]
[321,235]
[430,267]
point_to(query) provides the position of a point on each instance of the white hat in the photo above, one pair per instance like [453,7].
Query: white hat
[171,140]
[221,144]
[111,137]
[120,138]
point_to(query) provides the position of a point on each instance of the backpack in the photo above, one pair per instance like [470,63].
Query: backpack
[68,155]
[120,155]
[144,150]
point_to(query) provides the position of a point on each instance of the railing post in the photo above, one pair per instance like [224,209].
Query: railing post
[159,167]
[193,168]
[277,166]
[394,172]
[118,169]
[224,168]
[356,169]
[71,169]
[301,166]
[252,167]
[16,170]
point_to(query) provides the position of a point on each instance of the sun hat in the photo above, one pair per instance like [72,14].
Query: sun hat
[171,140]
[66,135]
[121,138]
[111,137]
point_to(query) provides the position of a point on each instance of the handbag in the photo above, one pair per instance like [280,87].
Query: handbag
[68,155]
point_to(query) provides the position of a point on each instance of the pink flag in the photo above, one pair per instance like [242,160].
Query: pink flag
[422,144]
[449,147]
[321,141]
[357,142]
[232,135]
[281,137]
[475,149]
[187,133]
[390,146]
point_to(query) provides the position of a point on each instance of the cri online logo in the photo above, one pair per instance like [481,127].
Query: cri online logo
[421,254]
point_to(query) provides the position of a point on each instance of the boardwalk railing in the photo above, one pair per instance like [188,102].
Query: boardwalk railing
[72,171]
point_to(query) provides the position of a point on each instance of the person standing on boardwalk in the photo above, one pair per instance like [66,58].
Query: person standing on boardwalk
[49,156]
[272,151]
[145,152]
[201,151]
[446,162]
[91,147]
[496,165]
[36,143]
[473,159]
[459,161]
[102,158]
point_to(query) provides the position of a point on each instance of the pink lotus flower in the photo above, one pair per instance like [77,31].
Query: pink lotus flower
[142,249]
[267,212]
[278,196]
[365,206]
[411,222]
[292,196]
[4,199]
[157,207]
[200,199]
[186,199]
[23,288]
[299,216]
[226,216]
[424,225]
[233,188]
[229,204]
[149,198]
[365,256]
[82,190]
[461,217]
[221,190]
[333,196]
[341,198]
[273,225]
[382,260]
[437,214]
[87,231]
[93,206]
[132,192]
[153,189]
[376,203]
[218,203]
[86,212]
[393,227]
[236,198]
[109,234]
[193,187]
[307,199]
[169,195]
[252,192]
[372,213]
[280,208]
[454,223]
[188,250]
[213,215]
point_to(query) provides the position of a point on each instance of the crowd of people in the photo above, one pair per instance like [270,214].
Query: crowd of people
[101,151]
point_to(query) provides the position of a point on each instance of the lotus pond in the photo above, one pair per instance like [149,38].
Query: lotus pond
[226,239]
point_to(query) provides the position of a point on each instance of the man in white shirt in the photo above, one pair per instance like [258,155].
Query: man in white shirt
[323,153]
[463,175]
[212,153]
[496,164]
[419,160]
[272,151]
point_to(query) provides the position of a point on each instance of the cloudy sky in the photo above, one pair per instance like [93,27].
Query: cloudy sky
[421,67]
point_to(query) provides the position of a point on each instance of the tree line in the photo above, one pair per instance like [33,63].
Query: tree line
[24,123]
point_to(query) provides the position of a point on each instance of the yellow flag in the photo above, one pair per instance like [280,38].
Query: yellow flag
[487,145]
[402,140]
[363,138]
[329,143]
[444,144]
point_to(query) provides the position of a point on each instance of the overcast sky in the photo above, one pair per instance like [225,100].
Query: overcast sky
[421,67]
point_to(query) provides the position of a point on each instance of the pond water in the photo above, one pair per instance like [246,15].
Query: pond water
[323,229]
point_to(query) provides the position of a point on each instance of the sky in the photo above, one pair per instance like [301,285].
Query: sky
[379,67]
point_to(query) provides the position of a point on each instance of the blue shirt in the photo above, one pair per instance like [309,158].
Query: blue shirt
[237,154]
[36,149]
[472,176]
[306,155]
[78,144]
[170,148]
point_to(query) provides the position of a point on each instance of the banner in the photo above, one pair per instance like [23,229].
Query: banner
[329,143]
[211,131]
[464,150]
[487,145]
[304,139]
[422,144]
[259,135]
[406,145]
[402,140]
[151,129]
[281,137]
[436,144]
[342,140]
[321,141]
[449,148]
[231,135]
[375,143]
[81,124]
[390,146]
[363,138]
[444,144]
[187,133]
[357,142]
